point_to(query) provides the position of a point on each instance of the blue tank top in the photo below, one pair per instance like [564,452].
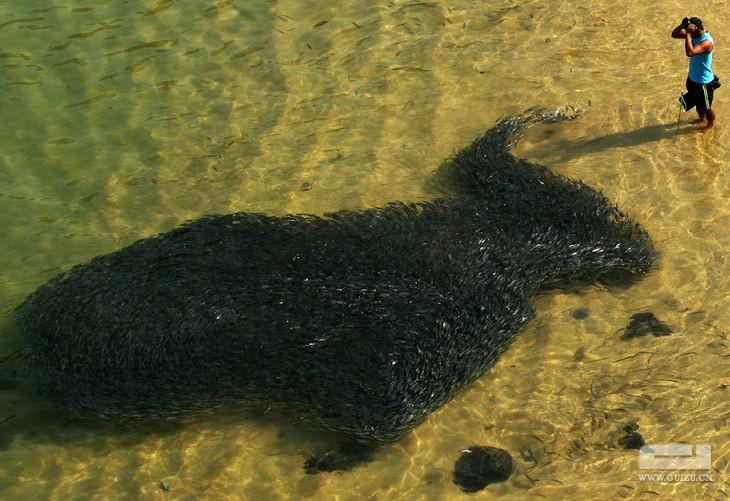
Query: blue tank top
[700,70]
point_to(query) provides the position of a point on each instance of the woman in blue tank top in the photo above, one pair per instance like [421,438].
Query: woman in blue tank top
[698,45]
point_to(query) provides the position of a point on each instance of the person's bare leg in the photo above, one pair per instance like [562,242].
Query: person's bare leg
[701,115]
[710,118]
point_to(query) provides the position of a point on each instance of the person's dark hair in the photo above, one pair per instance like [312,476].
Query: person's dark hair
[697,22]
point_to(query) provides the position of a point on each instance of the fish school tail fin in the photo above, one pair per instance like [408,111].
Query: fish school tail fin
[471,167]
[507,132]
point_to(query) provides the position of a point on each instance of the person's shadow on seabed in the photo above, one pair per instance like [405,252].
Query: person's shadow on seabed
[563,150]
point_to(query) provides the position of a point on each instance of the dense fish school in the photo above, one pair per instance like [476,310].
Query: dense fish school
[362,322]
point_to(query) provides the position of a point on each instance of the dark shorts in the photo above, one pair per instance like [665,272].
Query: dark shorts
[699,95]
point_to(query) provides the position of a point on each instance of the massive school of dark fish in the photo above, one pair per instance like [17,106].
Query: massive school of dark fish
[362,322]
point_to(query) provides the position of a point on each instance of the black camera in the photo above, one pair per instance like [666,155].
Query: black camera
[685,23]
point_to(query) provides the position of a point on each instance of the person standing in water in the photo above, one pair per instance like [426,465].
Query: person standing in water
[701,81]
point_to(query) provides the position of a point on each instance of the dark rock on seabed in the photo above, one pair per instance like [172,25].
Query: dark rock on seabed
[579,313]
[480,466]
[631,439]
[645,323]
[344,458]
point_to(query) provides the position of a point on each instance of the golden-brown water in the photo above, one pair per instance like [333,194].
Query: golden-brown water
[121,119]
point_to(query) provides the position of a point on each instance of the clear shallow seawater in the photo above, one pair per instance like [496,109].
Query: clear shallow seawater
[122,119]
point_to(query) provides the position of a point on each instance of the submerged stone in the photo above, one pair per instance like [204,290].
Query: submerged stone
[631,439]
[630,427]
[479,466]
[579,313]
[362,322]
[345,458]
[580,354]
[645,323]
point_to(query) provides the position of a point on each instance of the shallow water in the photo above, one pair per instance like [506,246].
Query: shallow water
[122,119]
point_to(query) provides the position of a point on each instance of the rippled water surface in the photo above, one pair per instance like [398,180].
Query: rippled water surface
[121,119]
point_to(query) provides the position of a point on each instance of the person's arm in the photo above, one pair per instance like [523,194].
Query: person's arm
[692,50]
[679,31]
